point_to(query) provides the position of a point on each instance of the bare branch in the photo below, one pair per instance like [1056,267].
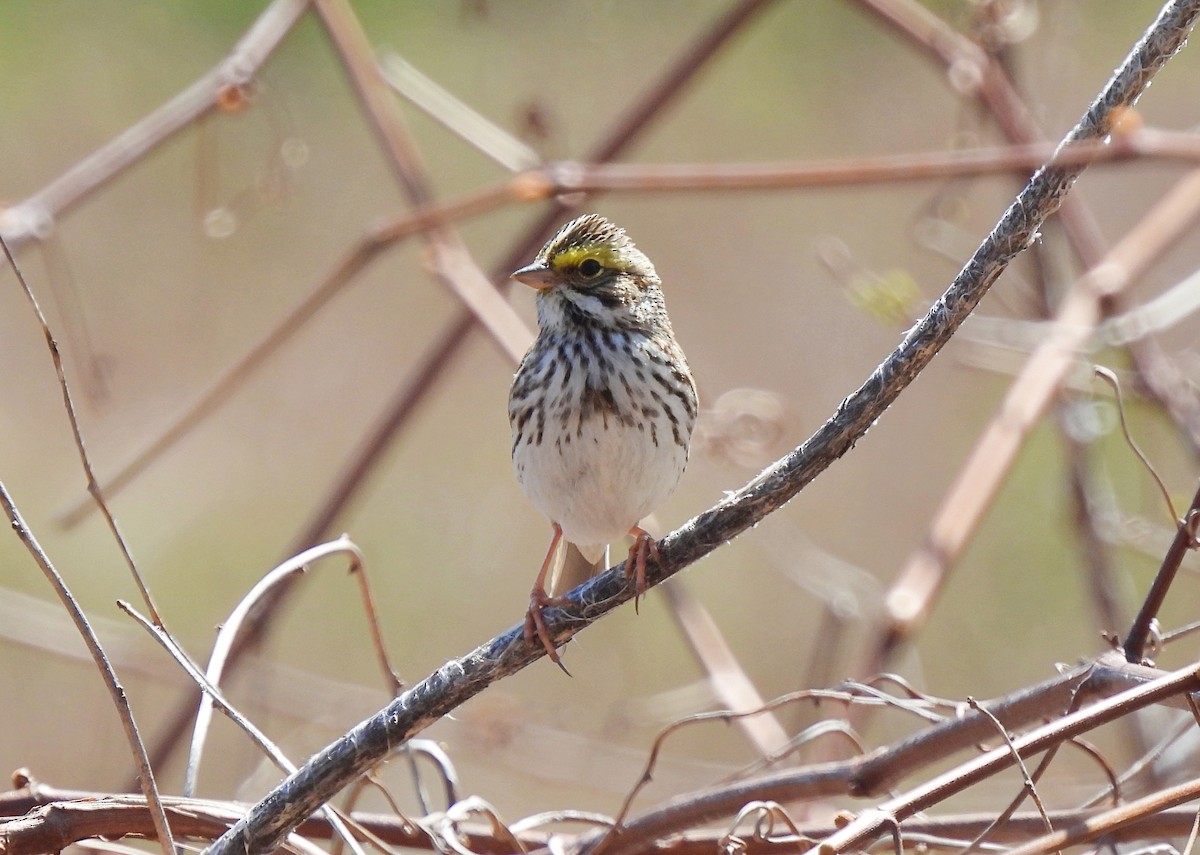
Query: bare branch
[145,773]
[1184,540]
[457,680]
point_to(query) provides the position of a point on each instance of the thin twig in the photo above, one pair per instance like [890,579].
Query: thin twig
[1109,820]
[1184,540]
[1144,768]
[1029,789]
[214,695]
[1111,379]
[228,633]
[390,676]
[763,816]
[471,808]
[820,730]
[85,460]
[726,716]
[144,772]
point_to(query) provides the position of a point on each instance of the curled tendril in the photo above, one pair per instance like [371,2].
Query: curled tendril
[768,820]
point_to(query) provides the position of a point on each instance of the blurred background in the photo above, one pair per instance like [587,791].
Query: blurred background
[784,299]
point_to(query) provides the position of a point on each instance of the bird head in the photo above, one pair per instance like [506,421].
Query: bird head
[591,272]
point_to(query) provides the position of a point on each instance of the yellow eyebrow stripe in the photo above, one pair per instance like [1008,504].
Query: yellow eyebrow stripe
[569,259]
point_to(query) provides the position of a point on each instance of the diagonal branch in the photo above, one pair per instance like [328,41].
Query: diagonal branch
[266,825]
[1184,540]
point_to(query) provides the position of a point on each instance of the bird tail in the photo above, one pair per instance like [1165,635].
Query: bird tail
[573,568]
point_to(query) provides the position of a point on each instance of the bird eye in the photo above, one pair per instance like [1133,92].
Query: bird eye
[590,268]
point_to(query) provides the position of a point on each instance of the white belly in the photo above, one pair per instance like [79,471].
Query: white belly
[598,483]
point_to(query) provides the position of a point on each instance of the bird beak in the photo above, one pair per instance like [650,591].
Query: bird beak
[536,275]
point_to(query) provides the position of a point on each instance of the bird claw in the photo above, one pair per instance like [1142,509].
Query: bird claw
[535,625]
[644,546]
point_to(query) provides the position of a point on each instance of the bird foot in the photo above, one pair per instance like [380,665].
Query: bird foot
[644,546]
[535,624]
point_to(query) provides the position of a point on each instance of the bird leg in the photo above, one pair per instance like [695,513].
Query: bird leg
[535,624]
[643,546]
